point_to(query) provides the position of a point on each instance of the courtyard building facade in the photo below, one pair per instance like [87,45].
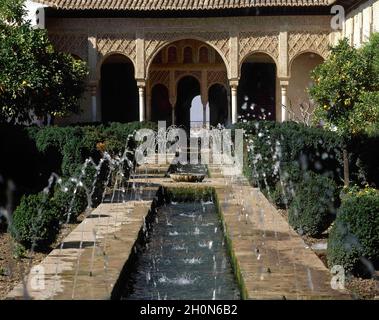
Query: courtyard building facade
[238,60]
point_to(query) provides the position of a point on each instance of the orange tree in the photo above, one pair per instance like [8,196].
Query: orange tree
[35,80]
[346,91]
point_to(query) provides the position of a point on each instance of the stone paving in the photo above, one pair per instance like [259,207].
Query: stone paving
[272,261]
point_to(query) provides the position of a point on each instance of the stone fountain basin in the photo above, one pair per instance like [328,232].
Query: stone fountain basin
[187,177]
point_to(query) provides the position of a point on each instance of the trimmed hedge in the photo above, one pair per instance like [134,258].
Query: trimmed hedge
[310,148]
[71,204]
[35,221]
[314,206]
[272,148]
[71,146]
[279,155]
[364,155]
[354,238]
[66,149]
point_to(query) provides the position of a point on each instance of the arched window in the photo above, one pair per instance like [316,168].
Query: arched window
[172,55]
[187,55]
[203,55]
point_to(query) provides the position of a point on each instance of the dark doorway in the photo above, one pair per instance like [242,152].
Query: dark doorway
[188,88]
[256,91]
[161,109]
[119,92]
[218,105]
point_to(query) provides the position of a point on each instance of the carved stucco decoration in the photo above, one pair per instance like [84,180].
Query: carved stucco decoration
[179,74]
[76,44]
[117,43]
[217,77]
[218,40]
[299,42]
[250,42]
[159,77]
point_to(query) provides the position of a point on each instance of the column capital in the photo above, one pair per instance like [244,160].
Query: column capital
[233,83]
[92,87]
[284,81]
[141,83]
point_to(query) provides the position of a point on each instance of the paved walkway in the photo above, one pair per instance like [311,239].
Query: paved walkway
[274,261]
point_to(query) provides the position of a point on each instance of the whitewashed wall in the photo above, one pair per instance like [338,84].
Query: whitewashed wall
[361,22]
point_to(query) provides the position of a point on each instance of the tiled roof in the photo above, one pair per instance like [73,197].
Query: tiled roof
[177,4]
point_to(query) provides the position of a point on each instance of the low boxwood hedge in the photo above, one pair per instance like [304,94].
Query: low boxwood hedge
[354,238]
[35,222]
[313,207]
[71,198]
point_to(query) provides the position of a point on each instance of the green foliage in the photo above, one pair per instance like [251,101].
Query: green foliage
[364,117]
[283,192]
[279,152]
[364,155]
[187,194]
[33,74]
[19,251]
[354,239]
[35,221]
[314,205]
[76,144]
[94,180]
[118,135]
[72,200]
[346,89]
[12,11]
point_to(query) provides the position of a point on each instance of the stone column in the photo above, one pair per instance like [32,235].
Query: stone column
[172,100]
[93,76]
[173,116]
[205,115]
[148,106]
[141,93]
[283,75]
[233,86]
[93,90]
[229,103]
[284,99]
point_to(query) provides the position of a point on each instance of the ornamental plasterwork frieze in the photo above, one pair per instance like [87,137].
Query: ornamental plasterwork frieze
[156,41]
[181,73]
[117,43]
[304,41]
[75,44]
[266,42]
[217,77]
[159,77]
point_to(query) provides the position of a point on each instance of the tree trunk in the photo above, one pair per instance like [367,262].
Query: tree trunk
[346,173]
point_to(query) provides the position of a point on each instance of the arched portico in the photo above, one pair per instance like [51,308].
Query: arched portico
[119,92]
[150,42]
[182,60]
[257,90]
[300,106]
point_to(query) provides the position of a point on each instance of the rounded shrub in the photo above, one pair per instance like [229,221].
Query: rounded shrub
[313,207]
[354,238]
[35,221]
